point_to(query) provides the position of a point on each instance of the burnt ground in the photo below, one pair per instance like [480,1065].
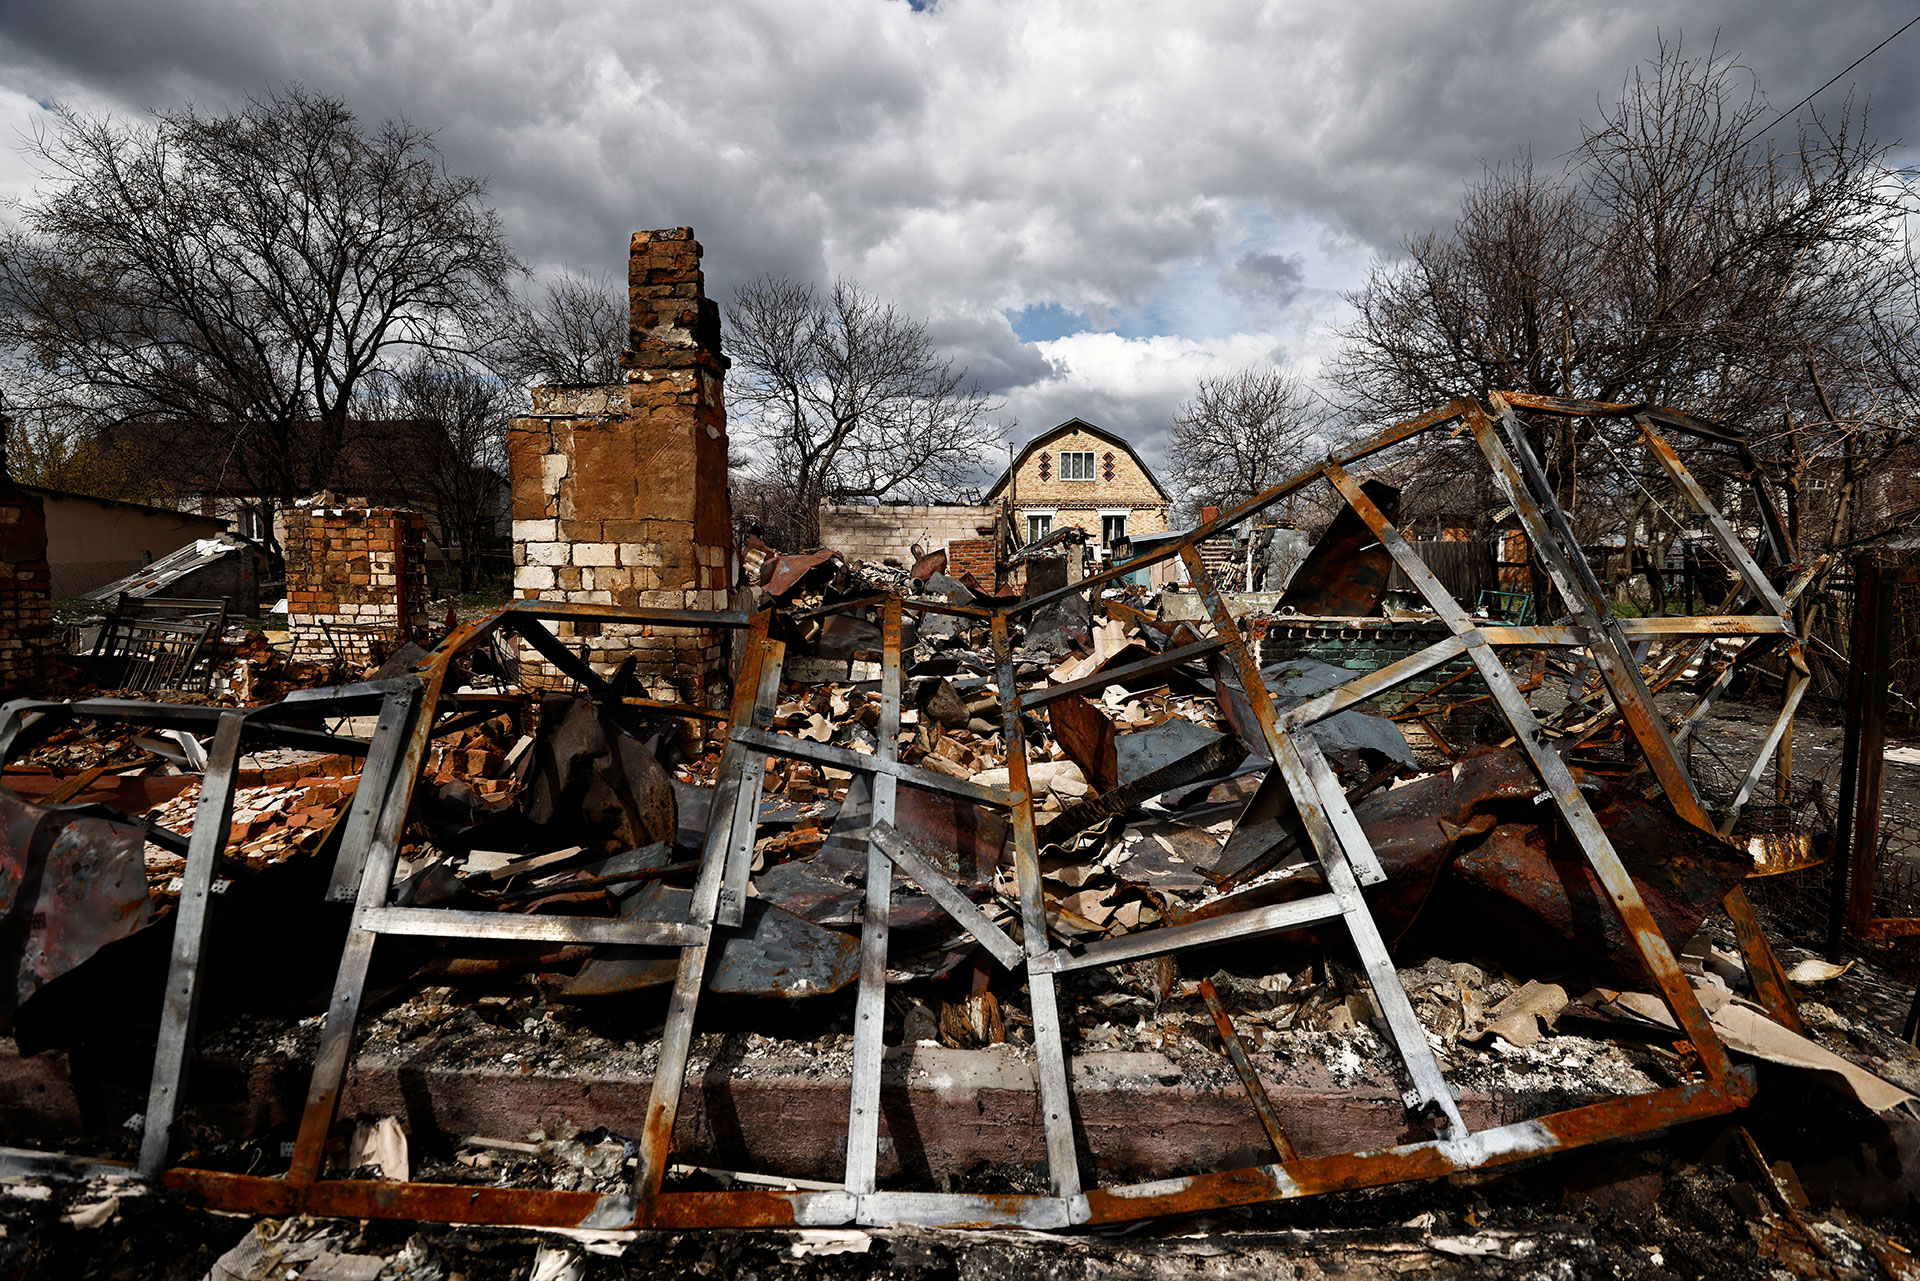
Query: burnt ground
[1692,1202]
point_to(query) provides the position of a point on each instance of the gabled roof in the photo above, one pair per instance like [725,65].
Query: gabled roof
[174,512]
[198,457]
[1076,424]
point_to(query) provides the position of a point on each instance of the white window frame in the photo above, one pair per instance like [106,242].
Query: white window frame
[1105,513]
[1029,514]
[1093,464]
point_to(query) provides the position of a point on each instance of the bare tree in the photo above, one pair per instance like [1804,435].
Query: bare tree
[250,269]
[847,399]
[1672,260]
[1679,258]
[441,442]
[573,336]
[1241,433]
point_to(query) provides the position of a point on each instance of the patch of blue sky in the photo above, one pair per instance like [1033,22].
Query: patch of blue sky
[1045,321]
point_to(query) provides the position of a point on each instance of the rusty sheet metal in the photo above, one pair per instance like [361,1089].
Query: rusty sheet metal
[934,562]
[1347,571]
[1086,736]
[68,886]
[1531,896]
[1775,853]
[781,574]
[593,781]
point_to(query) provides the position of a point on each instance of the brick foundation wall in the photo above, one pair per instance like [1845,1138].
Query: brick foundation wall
[878,534]
[355,576]
[26,594]
[620,492]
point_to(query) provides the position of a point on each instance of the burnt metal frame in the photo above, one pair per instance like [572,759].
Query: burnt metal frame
[154,650]
[26,721]
[1337,841]
[1862,762]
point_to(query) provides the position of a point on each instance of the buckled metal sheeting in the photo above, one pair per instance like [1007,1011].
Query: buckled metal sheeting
[369,850]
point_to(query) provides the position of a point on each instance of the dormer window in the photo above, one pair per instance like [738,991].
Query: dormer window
[1076,464]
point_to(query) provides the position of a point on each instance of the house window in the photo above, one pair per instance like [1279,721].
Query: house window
[1039,526]
[1076,464]
[1112,529]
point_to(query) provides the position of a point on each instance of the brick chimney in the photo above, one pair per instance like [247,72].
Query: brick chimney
[620,492]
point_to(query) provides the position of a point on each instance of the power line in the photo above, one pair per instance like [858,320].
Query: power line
[1823,88]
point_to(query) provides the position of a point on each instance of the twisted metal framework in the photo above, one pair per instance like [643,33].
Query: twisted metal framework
[414,709]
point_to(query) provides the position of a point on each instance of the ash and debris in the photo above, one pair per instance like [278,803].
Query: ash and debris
[1306,1018]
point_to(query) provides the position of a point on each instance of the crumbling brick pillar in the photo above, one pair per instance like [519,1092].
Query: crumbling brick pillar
[620,493]
[26,594]
[356,578]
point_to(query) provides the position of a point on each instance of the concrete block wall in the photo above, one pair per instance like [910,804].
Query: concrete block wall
[620,492]
[356,576]
[26,594]
[879,534]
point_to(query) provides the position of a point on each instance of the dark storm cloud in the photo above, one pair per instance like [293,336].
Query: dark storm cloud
[1271,278]
[977,160]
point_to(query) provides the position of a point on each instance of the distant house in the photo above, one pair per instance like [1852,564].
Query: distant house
[1083,475]
[204,467]
[93,541]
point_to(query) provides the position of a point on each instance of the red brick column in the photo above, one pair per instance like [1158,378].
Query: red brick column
[26,594]
[355,575]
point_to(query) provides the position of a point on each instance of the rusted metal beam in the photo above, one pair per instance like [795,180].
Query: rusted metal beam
[1343,850]
[180,1012]
[1063,1165]
[676,1038]
[870,1003]
[743,828]
[1256,1090]
[762,740]
[966,913]
[1558,779]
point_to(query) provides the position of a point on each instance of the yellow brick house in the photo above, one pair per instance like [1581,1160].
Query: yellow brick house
[1080,474]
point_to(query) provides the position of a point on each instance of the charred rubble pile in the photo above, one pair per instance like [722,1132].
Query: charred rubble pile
[1033,910]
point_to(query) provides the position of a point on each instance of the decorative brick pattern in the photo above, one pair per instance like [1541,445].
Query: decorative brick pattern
[620,492]
[1121,484]
[356,576]
[26,594]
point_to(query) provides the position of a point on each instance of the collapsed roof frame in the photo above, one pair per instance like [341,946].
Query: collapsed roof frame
[369,847]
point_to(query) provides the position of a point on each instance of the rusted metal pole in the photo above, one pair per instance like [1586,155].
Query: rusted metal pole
[1863,744]
[1237,1055]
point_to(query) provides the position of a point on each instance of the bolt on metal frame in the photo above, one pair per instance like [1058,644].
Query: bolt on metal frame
[1336,839]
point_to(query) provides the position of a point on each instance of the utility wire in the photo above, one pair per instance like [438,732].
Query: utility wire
[1823,88]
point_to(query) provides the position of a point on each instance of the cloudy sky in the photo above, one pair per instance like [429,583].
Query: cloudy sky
[1092,204]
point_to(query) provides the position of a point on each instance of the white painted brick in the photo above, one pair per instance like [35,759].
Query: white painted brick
[537,577]
[547,553]
[595,554]
[536,531]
